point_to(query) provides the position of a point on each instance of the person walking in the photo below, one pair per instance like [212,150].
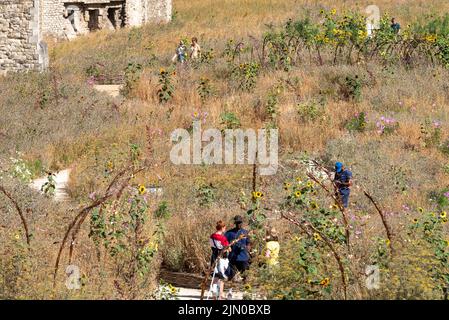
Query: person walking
[343,181]
[272,248]
[195,49]
[239,257]
[180,54]
[395,26]
[219,259]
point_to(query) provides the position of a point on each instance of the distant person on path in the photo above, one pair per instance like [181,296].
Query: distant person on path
[343,182]
[195,49]
[395,26]
[272,248]
[239,257]
[180,55]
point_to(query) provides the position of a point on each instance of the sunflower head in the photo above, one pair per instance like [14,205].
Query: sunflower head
[420,210]
[325,282]
[142,189]
[443,215]
[415,221]
[313,205]
[316,237]
[297,194]
[257,194]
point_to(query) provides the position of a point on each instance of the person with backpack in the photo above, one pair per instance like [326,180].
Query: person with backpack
[239,256]
[343,181]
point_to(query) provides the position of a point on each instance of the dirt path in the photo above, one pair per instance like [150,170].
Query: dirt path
[111,89]
[61,181]
[195,294]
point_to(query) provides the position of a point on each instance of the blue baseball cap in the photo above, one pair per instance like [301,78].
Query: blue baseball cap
[338,167]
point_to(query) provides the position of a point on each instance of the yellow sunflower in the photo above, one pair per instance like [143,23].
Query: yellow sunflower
[257,194]
[287,185]
[142,189]
[313,205]
[443,214]
[316,237]
[325,282]
[420,209]
[297,194]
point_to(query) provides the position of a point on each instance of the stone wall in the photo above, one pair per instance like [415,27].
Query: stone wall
[159,10]
[138,12]
[20,44]
[53,21]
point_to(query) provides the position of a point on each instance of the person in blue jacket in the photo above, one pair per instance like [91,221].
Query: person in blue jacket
[239,257]
[343,182]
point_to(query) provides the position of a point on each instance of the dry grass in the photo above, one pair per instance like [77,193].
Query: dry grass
[85,130]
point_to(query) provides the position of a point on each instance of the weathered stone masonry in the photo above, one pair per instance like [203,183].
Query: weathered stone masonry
[24,22]
[20,43]
[69,18]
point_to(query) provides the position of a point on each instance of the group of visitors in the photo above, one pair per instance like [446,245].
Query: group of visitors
[181,51]
[231,250]
[231,254]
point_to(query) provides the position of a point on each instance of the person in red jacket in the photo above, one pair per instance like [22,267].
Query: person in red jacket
[218,241]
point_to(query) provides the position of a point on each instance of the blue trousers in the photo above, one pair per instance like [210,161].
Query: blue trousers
[344,194]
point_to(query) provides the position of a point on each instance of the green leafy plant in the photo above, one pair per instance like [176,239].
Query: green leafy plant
[245,75]
[166,87]
[310,111]
[229,120]
[206,194]
[204,89]
[357,123]
[132,75]
[162,210]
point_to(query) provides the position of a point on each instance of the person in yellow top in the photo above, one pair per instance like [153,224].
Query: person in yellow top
[272,248]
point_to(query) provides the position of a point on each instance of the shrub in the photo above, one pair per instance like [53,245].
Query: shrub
[310,111]
[204,89]
[229,120]
[351,88]
[206,194]
[245,75]
[162,211]
[132,75]
[166,87]
[357,123]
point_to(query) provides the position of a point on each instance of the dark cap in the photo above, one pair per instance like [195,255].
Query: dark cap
[238,219]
